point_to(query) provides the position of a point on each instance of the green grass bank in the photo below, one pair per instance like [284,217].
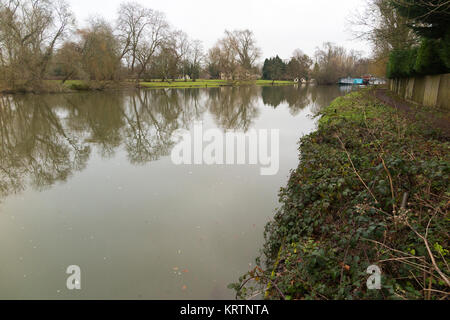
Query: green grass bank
[371,188]
[55,86]
[211,83]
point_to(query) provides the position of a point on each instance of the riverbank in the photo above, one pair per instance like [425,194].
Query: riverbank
[56,86]
[212,83]
[371,189]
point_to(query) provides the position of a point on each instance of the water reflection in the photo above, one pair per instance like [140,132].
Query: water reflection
[46,138]
[35,145]
[234,108]
[85,179]
[296,97]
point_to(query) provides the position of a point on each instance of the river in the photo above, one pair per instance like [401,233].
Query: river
[87,179]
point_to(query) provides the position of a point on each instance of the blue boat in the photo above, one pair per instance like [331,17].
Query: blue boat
[351,81]
[346,81]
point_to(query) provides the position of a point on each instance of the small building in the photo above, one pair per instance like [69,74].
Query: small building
[224,76]
[377,81]
[301,80]
[185,77]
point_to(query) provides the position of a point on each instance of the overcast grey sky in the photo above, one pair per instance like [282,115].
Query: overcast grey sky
[279,26]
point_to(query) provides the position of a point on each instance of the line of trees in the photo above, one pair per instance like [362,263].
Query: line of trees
[334,62]
[30,31]
[409,37]
[330,63]
[141,45]
[39,39]
[297,68]
[41,146]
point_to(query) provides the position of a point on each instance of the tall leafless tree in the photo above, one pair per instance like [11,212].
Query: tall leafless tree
[236,54]
[180,45]
[195,59]
[334,62]
[155,35]
[132,22]
[243,42]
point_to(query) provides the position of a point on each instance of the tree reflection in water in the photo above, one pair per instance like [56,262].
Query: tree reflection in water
[46,138]
[297,97]
[234,108]
[35,147]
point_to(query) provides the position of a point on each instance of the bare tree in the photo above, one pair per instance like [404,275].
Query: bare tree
[29,32]
[195,59]
[299,66]
[132,23]
[180,44]
[244,44]
[422,9]
[235,55]
[155,35]
[213,61]
[334,62]
[226,59]
[164,64]
[69,59]
[100,51]
[382,26]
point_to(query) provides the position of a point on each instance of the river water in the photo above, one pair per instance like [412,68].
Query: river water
[86,179]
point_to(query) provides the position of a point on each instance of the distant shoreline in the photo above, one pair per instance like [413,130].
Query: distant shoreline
[56,86]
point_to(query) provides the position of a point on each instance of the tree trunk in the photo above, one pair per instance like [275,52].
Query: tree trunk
[67,77]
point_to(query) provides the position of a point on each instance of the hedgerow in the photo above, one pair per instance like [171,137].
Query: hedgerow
[371,189]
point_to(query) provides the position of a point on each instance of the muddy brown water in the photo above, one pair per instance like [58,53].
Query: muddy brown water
[87,179]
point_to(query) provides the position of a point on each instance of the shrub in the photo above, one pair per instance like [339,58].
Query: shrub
[344,210]
[432,57]
[445,50]
[429,58]
[401,63]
